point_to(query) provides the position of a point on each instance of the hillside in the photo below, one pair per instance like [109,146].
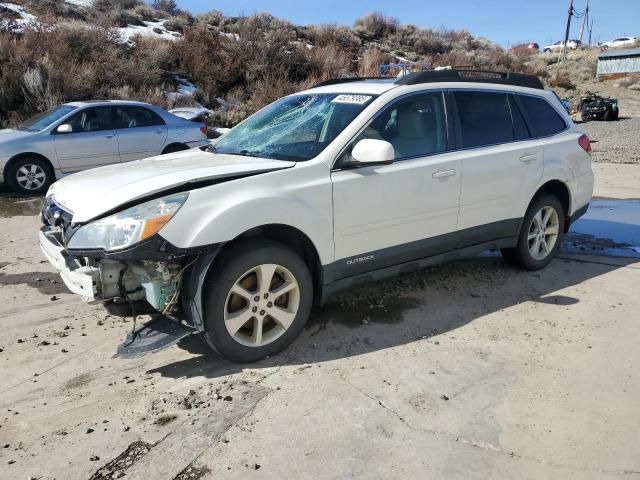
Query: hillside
[54,51]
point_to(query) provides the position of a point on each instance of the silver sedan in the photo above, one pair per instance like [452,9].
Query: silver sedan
[81,135]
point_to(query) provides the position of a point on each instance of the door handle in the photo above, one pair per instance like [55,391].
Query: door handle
[444,173]
[110,135]
[160,132]
[528,158]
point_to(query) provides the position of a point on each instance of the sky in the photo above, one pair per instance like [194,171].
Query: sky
[506,22]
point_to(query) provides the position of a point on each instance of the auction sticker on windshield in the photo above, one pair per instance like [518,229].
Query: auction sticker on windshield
[355,99]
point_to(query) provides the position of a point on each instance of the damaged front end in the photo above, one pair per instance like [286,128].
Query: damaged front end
[151,270]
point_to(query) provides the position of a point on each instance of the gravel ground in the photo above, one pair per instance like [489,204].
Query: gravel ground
[615,142]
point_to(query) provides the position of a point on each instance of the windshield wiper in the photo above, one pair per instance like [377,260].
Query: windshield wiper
[23,128]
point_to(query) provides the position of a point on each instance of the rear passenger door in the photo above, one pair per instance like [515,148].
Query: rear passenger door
[141,132]
[500,164]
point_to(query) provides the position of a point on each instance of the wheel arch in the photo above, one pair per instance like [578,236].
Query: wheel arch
[296,240]
[560,190]
[182,146]
[22,155]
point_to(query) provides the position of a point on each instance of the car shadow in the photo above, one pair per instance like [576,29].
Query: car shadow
[427,304]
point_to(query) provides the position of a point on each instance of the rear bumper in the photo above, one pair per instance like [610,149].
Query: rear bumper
[80,279]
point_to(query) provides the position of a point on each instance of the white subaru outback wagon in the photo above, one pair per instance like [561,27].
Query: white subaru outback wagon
[349,181]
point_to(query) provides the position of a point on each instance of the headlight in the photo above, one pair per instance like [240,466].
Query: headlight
[128,227]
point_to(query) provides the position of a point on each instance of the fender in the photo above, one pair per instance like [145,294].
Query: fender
[299,197]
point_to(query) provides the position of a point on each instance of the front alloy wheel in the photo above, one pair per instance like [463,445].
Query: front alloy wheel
[262,305]
[257,299]
[29,176]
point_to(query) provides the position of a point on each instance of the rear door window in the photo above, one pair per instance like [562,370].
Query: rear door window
[520,129]
[485,118]
[132,117]
[543,119]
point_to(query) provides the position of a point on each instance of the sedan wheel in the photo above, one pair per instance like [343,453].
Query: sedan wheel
[261,305]
[31,177]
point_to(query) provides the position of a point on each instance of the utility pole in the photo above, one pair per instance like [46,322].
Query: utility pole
[590,30]
[566,35]
[585,19]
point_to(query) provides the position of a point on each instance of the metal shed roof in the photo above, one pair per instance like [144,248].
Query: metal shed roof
[626,52]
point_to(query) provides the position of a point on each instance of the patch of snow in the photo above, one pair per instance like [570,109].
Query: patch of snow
[402,59]
[154,29]
[232,36]
[184,89]
[17,25]
[81,3]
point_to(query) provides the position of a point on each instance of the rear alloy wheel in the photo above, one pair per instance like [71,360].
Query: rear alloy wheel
[540,235]
[30,176]
[257,300]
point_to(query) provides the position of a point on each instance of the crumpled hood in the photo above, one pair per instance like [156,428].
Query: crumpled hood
[90,193]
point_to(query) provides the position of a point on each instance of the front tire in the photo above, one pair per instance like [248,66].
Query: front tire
[257,300]
[29,176]
[540,235]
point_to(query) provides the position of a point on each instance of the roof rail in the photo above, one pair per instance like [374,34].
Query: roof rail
[477,76]
[337,81]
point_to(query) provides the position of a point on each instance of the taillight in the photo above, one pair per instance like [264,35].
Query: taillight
[585,143]
[204,129]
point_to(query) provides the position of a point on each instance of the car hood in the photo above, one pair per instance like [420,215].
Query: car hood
[91,193]
[8,134]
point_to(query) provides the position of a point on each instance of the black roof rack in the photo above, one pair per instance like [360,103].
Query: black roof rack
[477,76]
[337,81]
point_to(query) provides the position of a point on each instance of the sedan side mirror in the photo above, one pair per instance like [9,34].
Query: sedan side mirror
[373,152]
[64,128]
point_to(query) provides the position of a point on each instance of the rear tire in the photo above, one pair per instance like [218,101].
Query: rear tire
[540,235]
[257,300]
[174,149]
[29,176]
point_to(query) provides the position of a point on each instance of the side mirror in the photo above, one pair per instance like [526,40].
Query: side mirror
[64,128]
[373,152]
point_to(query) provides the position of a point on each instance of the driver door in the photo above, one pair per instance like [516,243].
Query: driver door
[390,214]
[92,142]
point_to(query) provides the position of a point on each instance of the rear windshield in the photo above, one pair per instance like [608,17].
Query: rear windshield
[296,128]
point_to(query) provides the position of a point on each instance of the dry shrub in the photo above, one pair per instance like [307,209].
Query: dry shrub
[376,26]
[370,60]
[330,62]
[562,80]
[632,82]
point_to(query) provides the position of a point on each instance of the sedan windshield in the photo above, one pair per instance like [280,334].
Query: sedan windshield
[44,119]
[296,128]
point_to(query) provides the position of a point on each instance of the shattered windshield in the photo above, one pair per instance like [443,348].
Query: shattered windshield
[293,128]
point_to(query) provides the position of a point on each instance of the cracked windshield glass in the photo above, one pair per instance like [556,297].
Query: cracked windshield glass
[294,128]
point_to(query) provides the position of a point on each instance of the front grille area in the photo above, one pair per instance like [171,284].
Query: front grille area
[54,215]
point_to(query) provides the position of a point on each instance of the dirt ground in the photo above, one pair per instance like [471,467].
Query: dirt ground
[462,371]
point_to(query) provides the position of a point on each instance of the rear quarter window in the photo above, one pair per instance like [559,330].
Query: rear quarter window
[543,119]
